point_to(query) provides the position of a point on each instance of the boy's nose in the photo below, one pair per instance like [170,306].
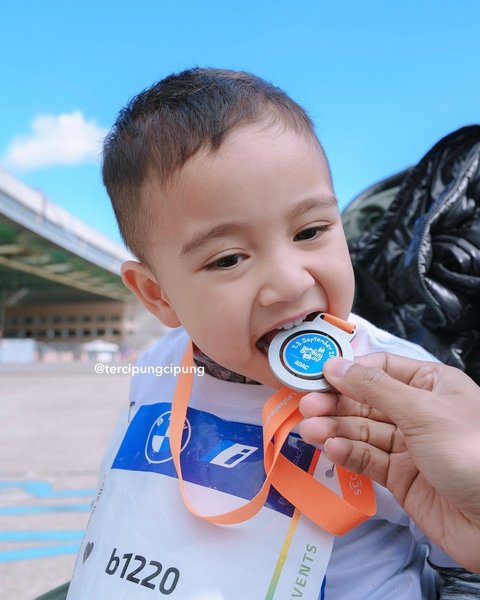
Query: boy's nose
[285,283]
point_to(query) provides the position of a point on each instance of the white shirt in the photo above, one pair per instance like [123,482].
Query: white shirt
[382,558]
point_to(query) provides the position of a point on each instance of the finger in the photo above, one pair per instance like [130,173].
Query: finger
[384,436]
[359,457]
[373,386]
[416,373]
[327,404]
[316,404]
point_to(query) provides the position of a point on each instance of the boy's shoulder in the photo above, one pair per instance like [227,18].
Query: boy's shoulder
[153,374]
[370,338]
[170,347]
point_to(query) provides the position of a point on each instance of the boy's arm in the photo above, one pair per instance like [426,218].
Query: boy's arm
[457,584]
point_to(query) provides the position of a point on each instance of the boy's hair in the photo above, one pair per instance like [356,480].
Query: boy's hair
[165,125]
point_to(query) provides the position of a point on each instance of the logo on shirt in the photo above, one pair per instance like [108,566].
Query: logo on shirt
[222,455]
[228,454]
[157,447]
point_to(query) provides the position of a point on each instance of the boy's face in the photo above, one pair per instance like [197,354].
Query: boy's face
[249,239]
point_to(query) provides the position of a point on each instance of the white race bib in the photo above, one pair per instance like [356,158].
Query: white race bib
[142,542]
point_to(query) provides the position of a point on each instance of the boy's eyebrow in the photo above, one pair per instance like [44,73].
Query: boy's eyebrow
[324,201]
[226,229]
[218,231]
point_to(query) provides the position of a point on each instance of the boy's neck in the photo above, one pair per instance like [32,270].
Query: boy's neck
[217,371]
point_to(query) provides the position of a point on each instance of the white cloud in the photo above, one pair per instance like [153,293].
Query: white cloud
[66,139]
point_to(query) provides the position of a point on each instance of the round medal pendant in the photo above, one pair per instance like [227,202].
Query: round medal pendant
[297,355]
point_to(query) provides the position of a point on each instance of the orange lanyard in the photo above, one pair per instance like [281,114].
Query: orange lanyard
[280,415]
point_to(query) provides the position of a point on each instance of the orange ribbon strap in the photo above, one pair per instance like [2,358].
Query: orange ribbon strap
[280,415]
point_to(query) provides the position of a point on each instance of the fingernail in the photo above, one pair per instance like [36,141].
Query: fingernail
[339,366]
[325,446]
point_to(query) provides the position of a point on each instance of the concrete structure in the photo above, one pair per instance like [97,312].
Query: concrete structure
[59,279]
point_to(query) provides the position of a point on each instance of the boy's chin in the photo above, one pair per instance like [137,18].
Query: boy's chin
[269,380]
[263,376]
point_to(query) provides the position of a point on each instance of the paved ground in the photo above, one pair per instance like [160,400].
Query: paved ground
[55,422]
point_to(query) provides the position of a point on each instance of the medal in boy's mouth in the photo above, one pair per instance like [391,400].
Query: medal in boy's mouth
[264,342]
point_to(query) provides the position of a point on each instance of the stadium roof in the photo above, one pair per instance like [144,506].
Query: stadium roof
[48,254]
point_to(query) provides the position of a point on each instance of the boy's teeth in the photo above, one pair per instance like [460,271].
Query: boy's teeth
[291,324]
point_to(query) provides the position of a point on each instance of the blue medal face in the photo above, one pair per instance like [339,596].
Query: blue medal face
[306,352]
[297,356]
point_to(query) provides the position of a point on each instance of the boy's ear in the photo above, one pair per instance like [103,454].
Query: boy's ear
[143,284]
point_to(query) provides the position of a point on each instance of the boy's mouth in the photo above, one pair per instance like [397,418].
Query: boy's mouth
[264,342]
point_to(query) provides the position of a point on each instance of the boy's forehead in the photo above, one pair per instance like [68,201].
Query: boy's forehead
[195,186]
[246,137]
[253,146]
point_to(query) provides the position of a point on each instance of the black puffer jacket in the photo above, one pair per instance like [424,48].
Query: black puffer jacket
[418,265]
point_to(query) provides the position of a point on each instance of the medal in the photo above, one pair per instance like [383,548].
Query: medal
[297,355]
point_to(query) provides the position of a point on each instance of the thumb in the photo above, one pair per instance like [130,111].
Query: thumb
[374,387]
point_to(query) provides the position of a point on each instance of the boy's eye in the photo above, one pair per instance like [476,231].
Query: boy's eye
[310,233]
[226,262]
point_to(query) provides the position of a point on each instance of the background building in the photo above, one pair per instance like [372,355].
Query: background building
[60,286]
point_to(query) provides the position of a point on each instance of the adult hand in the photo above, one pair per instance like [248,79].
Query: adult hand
[413,427]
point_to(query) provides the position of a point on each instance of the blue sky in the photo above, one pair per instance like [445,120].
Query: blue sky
[383,80]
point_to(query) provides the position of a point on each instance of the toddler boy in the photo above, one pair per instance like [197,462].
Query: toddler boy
[223,192]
